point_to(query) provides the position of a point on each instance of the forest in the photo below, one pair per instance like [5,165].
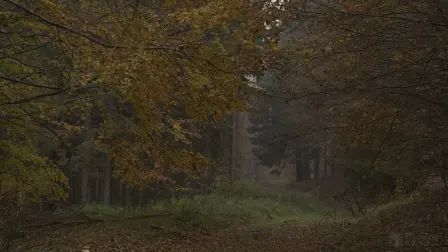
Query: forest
[223,125]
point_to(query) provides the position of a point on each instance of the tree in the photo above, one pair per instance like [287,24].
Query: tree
[274,131]
[176,63]
[377,69]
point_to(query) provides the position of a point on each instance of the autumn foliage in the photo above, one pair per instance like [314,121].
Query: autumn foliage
[175,64]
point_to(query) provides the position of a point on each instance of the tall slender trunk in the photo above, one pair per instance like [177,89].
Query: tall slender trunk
[325,160]
[128,195]
[207,143]
[106,182]
[120,193]
[299,163]
[316,156]
[97,184]
[84,184]
[234,164]
[85,158]
[141,197]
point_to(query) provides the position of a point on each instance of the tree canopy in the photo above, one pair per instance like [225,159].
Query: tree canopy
[176,64]
[374,72]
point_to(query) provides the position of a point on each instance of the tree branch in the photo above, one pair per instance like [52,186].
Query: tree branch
[84,34]
[27,83]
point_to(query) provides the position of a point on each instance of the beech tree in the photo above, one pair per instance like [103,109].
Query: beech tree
[176,63]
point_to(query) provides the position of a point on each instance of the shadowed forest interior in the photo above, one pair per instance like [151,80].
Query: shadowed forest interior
[223,125]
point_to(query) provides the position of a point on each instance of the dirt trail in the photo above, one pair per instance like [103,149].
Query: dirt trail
[421,225]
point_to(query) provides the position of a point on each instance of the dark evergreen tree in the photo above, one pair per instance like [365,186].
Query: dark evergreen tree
[273,128]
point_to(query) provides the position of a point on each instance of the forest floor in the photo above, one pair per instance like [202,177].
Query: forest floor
[416,224]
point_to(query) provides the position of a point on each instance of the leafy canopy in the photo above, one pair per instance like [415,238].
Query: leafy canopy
[177,64]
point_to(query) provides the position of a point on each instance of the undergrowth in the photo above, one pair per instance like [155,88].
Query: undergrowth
[226,205]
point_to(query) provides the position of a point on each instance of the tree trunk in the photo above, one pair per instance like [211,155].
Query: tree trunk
[97,185]
[106,183]
[141,197]
[303,164]
[234,165]
[316,157]
[128,195]
[120,193]
[85,159]
[299,175]
[84,184]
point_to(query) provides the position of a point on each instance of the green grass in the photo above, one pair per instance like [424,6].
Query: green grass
[228,204]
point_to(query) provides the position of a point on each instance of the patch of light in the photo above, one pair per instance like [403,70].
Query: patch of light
[252,82]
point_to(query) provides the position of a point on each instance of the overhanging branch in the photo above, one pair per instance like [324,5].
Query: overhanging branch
[85,34]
